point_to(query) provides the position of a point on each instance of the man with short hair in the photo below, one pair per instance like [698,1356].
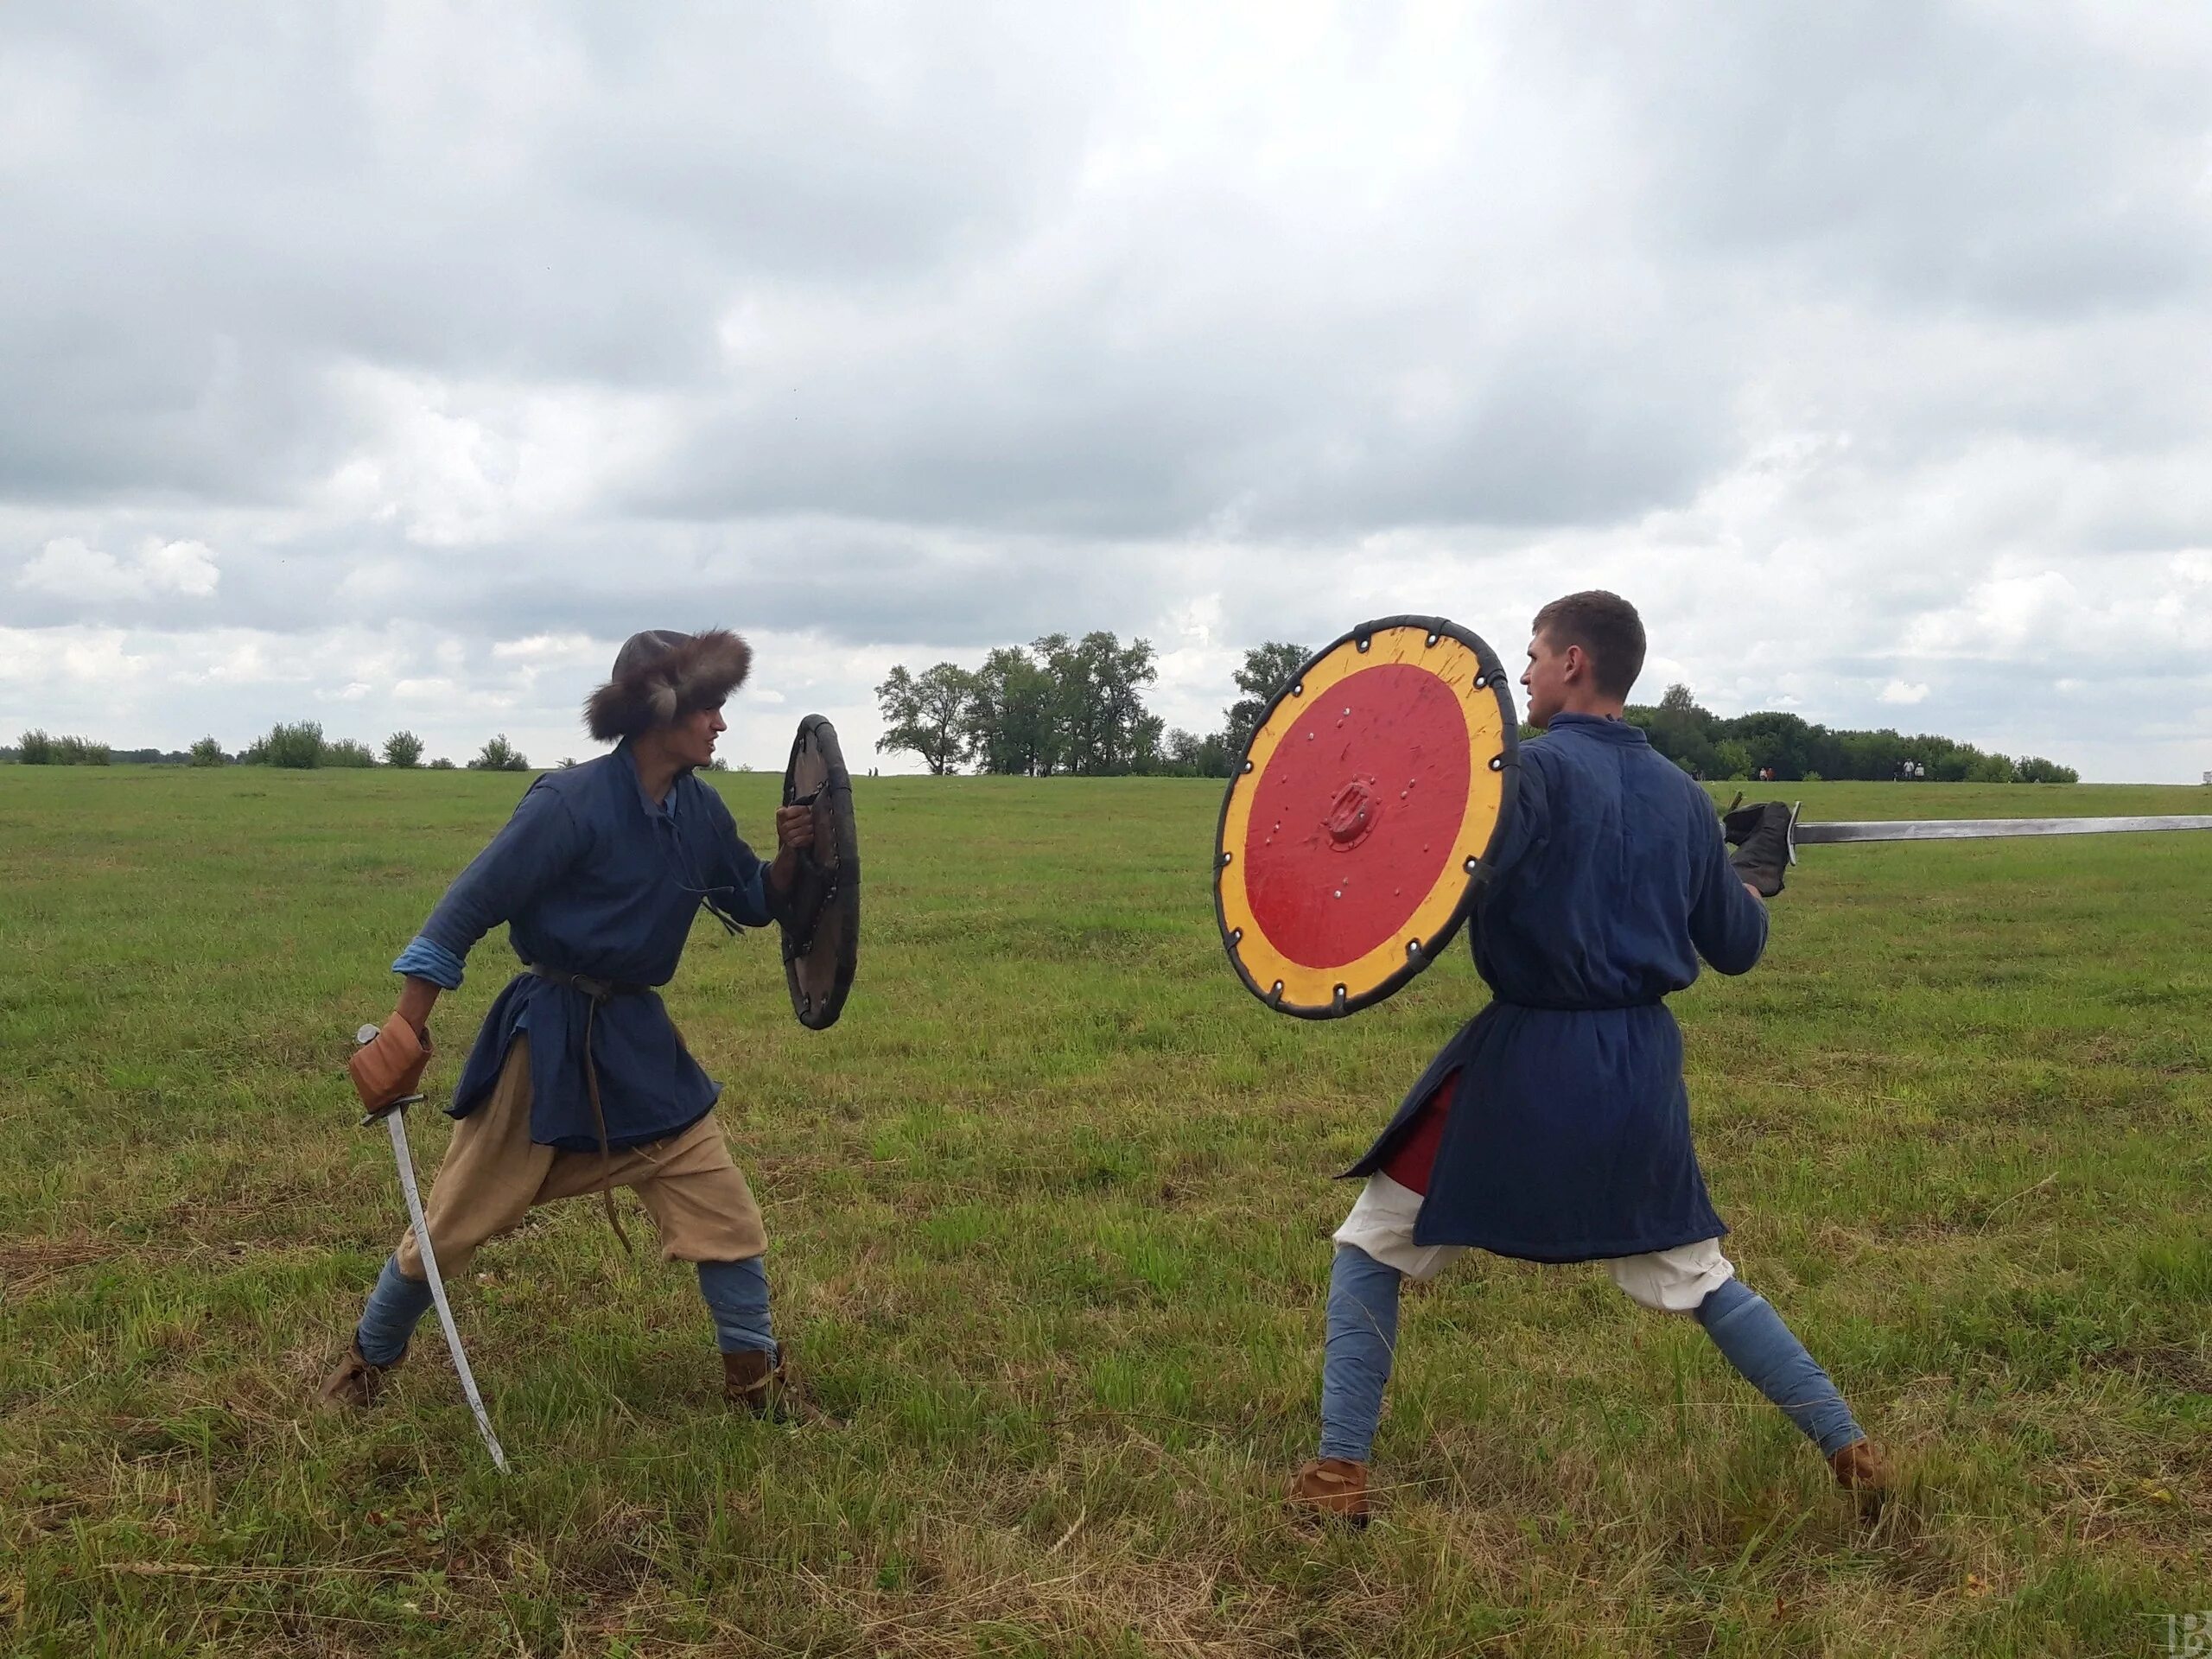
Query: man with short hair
[1554,1126]
[579,1081]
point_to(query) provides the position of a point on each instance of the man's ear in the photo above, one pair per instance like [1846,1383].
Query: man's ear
[1572,662]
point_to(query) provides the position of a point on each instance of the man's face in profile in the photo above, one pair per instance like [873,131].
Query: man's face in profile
[1545,680]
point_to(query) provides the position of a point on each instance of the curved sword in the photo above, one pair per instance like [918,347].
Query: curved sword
[395,1119]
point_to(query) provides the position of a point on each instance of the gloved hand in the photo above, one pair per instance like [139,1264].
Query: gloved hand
[1760,835]
[390,1068]
[1737,823]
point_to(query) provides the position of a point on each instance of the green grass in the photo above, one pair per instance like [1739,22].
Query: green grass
[1050,1211]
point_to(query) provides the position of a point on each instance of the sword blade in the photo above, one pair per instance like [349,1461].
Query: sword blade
[396,1121]
[1813,834]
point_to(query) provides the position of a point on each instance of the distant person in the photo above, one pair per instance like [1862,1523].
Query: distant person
[1554,1127]
[579,1081]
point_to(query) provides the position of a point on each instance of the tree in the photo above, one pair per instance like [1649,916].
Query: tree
[34,749]
[1096,701]
[347,752]
[298,746]
[1266,669]
[500,755]
[402,749]
[1011,729]
[207,753]
[927,713]
[441,765]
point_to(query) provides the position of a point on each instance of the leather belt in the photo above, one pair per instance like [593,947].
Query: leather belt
[596,991]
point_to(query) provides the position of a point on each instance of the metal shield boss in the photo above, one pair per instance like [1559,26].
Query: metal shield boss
[1357,830]
[822,920]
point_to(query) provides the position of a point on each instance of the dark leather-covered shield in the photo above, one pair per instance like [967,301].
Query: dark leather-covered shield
[1359,825]
[821,914]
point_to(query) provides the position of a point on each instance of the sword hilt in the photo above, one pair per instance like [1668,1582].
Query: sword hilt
[399,1105]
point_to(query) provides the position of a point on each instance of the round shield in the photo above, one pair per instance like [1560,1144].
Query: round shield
[822,920]
[1358,829]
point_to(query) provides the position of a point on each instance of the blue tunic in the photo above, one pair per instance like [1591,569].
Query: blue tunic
[1569,1135]
[593,878]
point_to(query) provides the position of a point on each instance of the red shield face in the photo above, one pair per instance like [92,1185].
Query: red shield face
[1356,833]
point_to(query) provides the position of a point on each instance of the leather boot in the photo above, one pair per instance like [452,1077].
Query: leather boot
[355,1383]
[1330,1489]
[757,1381]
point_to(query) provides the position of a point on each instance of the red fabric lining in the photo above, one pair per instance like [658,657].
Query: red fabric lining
[1414,1156]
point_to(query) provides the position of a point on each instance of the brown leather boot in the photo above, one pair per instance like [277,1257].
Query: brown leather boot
[759,1382]
[355,1383]
[1861,1469]
[1330,1489]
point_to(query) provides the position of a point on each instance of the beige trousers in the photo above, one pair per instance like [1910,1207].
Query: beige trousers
[494,1174]
[1667,1282]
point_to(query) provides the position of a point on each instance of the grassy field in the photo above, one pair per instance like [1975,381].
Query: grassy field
[1050,1210]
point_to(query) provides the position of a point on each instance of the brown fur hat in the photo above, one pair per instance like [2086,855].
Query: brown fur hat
[661,674]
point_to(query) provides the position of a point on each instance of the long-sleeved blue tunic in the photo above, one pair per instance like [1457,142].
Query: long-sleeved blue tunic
[593,877]
[1568,1136]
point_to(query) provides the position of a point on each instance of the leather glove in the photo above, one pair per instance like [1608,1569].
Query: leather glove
[390,1068]
[1737,823]
[1760,836]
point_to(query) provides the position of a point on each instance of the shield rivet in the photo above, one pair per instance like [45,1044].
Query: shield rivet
[1497,763]
[1434,637]
[1298,688]
[1471,865]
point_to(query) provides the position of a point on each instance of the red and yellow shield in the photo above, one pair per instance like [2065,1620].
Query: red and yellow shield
[1358,829]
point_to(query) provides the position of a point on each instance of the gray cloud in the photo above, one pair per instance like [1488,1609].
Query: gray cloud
[1857,346]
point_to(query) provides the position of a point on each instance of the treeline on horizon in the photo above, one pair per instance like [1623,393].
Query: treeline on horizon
[1076,707]
[1060,706]
[296,745]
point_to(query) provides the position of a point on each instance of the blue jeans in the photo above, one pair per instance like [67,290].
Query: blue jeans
[736,1293]
[1362,1325]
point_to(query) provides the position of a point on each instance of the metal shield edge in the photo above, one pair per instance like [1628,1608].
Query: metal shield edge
[1508,807]
[848,866]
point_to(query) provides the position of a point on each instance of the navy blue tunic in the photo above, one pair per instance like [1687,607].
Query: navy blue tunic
[1569,1135]
[593,878]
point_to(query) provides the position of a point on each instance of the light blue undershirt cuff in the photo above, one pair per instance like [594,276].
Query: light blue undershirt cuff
[426,959]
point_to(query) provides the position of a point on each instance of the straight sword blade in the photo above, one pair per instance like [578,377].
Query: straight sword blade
[396,1121]
[1813,834]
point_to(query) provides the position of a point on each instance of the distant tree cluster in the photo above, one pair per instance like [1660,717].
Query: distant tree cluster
[301,744]
[37,748]
[1266,669]
[1700,742]
[1055,706]
[500,755]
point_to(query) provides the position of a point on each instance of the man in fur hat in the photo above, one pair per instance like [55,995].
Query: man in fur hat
[579,1082]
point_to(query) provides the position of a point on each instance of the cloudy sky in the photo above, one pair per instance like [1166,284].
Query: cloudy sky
[387,365]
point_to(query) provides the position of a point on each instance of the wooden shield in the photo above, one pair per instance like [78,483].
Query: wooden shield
[1357,830]
[822,925]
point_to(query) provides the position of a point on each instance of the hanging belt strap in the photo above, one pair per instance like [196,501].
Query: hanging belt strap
[596,991]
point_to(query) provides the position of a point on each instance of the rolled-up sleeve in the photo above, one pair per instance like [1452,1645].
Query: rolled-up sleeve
[425,959]
[1727,924]
[530,852]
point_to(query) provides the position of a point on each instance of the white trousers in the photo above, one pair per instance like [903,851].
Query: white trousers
[1668,1281]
